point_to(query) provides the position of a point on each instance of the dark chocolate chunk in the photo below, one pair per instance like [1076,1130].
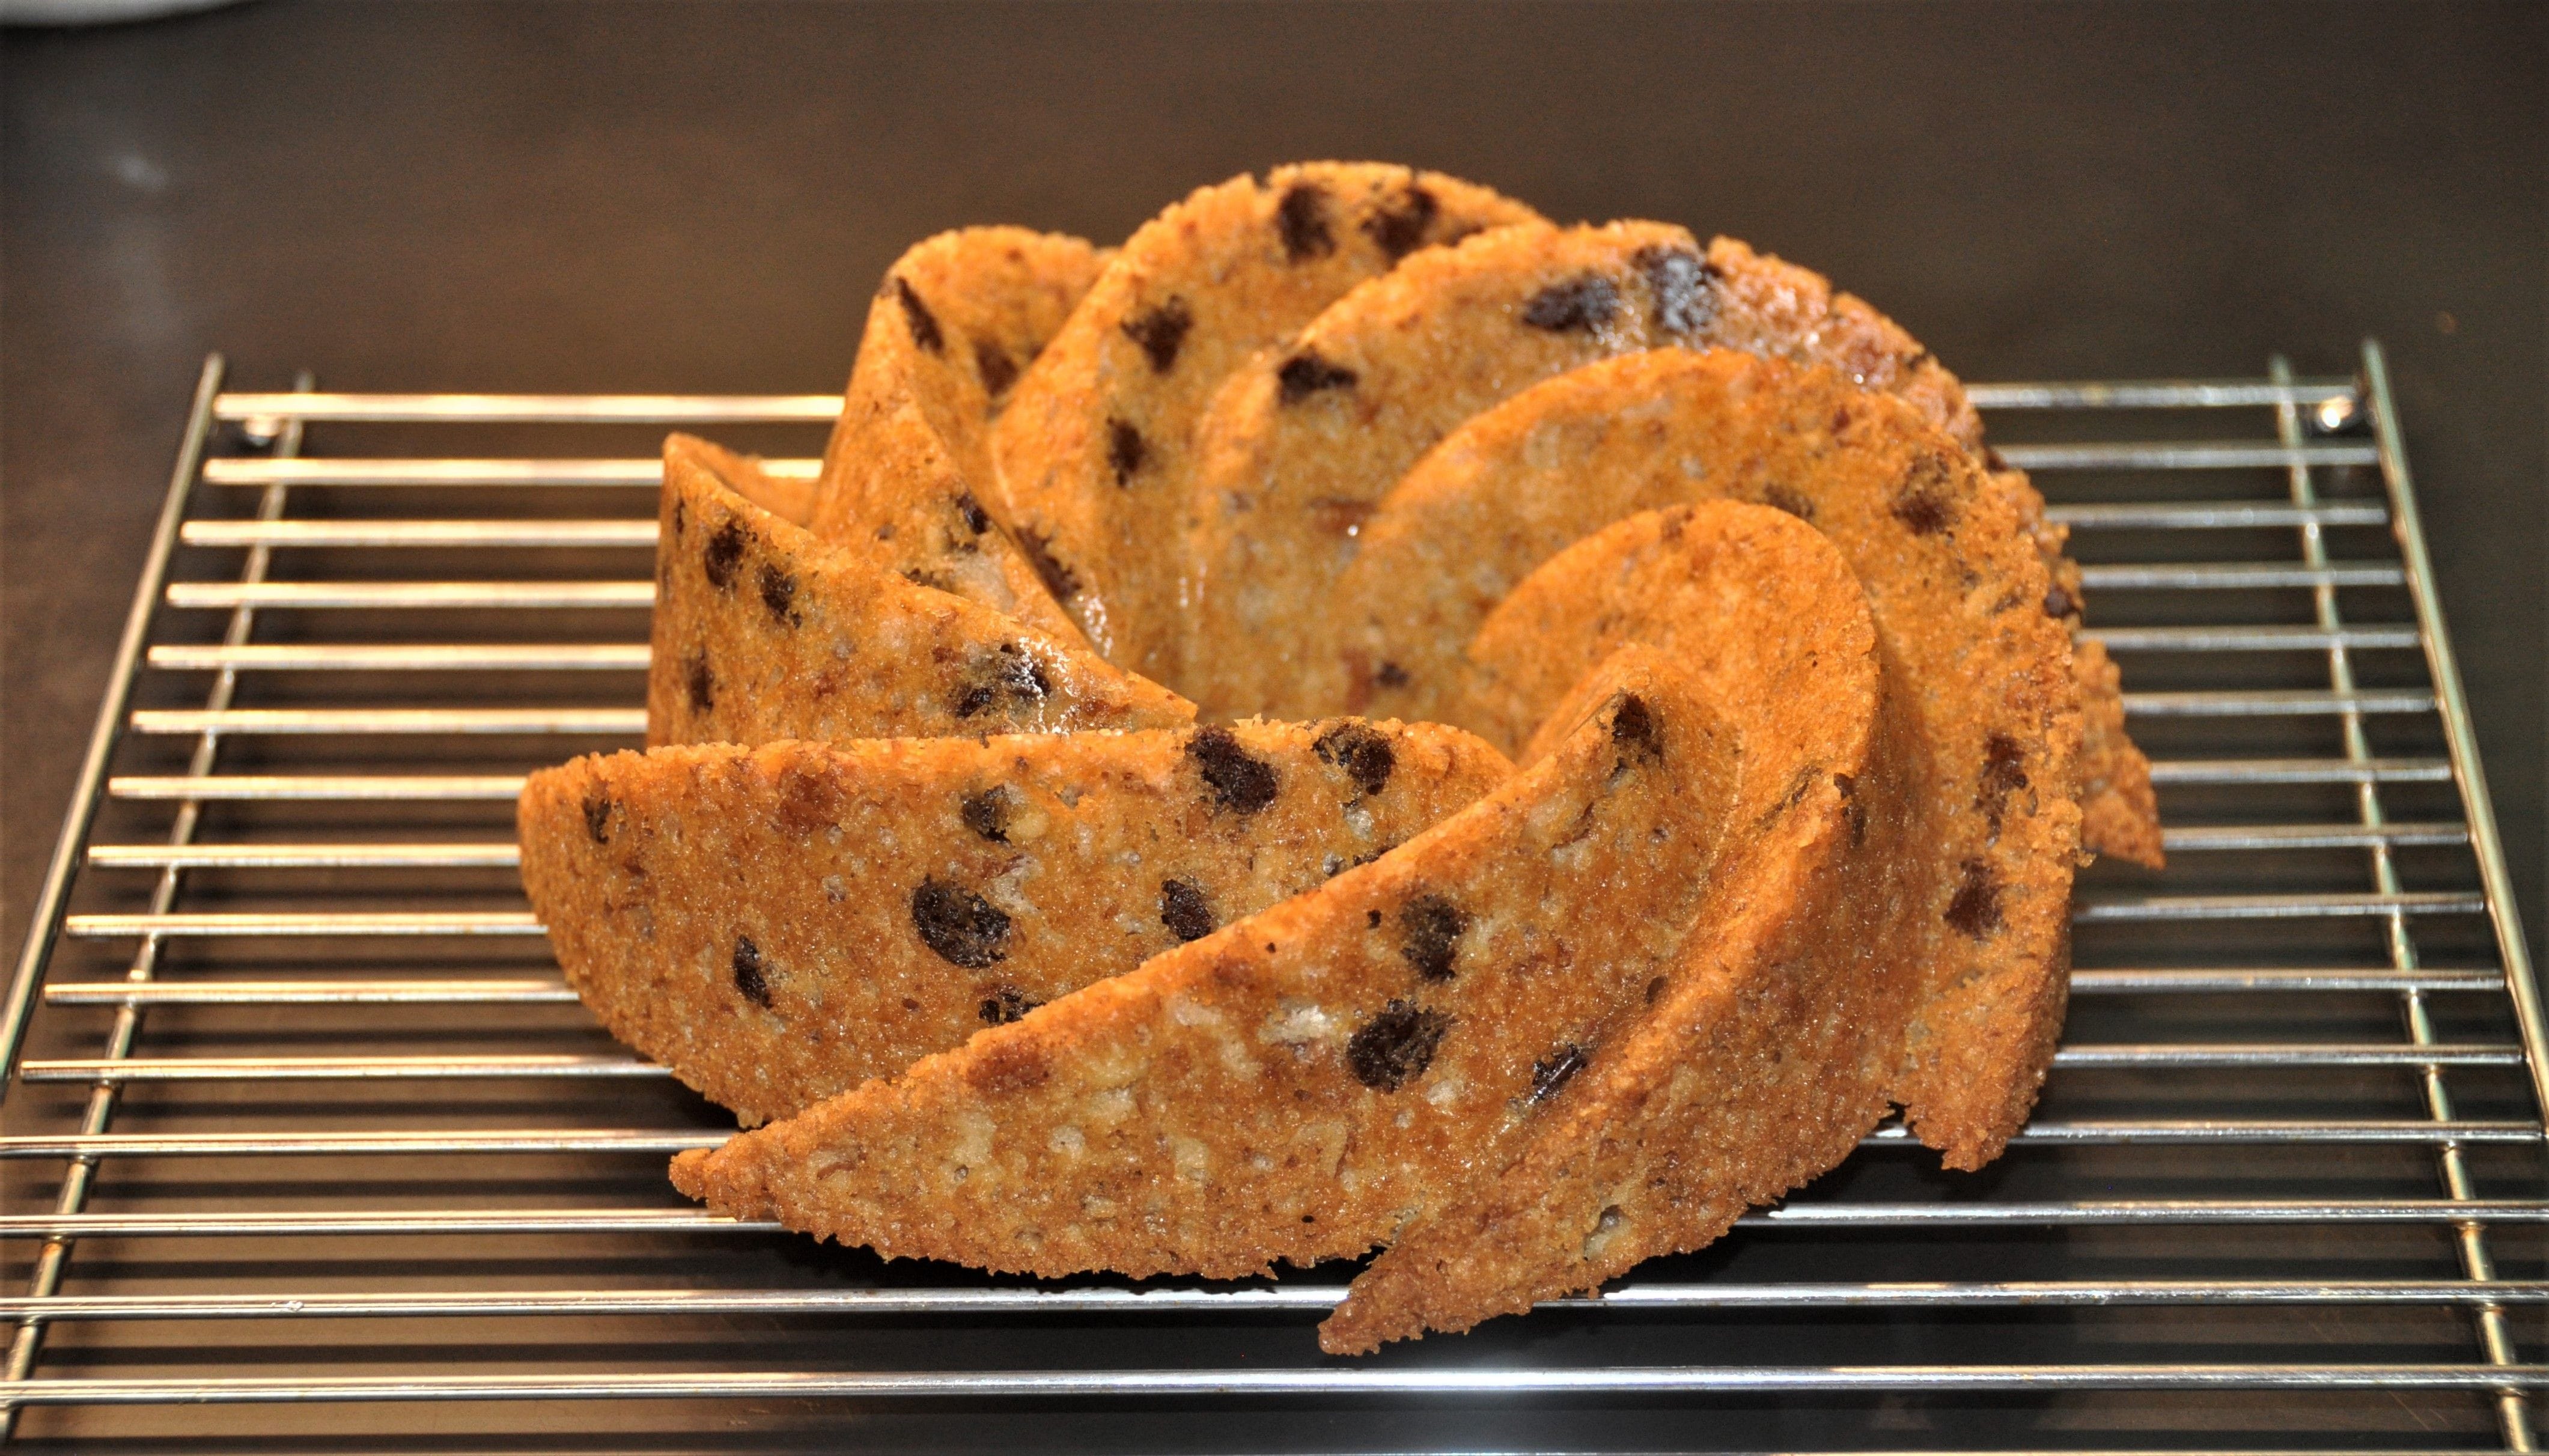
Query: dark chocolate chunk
[988,814]
[1400,230]
[1058,579]
[1184,909]
[1552,1074]
[1783,498]
[1161,332]
[1686,288]
[1237,781]
[997,369]
[977,520]
[1392,675]
[596,817]
[779,594]
[1008,674]
[1975,909]
[1004,1003]
[2058,603]
[702,682]
[1633,727]
[723,552]
[1396,1045]
[1362,750]
[2003,773]
[1852,813]
[1024,675]
[1305,374]
[748,978]
[1584,303]
[925,324]
[1430,931]
[962,926]
[1125,448]
[1923,503]
[1302,219]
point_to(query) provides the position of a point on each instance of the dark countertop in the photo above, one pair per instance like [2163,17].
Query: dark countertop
[693,197]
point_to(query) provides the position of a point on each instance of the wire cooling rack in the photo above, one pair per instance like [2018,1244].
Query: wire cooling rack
[309,1149]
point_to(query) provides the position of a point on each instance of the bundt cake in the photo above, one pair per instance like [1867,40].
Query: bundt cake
[1078,831]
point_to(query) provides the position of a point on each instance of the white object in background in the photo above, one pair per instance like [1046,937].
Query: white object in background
[95,12]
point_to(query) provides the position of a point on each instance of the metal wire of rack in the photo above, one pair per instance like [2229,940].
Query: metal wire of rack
[338,1157]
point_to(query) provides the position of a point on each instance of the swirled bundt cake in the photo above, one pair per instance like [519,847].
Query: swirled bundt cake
[1079,826]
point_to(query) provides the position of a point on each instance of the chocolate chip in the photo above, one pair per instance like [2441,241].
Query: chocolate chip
[702,682]
[997,369]
[1396,1045]
[1302,218]
[1024,675]
[1975,909]
[1852,813]
[1305,374]
[2003,773]
[1633,727]
[1923,502]
[1430,930]
[1161,332]
[1785,499]
[977,520]
[596,817]
[1582,304]
[1184,909]
[1008,674]
[681,518]
[924,325]
[1400,230]
[1125,449]
[779,594]
[2058,603]
[1362,750]
[1004,1003]
[962,926]
[723,552]
[1392,675]
[1058,579]
[1552,1074]
[748,978]
[988,814]
[1686,288]
[1237,781]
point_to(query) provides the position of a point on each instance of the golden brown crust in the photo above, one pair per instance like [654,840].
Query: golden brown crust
[788,497]
[763,632]
[1093,448]
[1303,440]
[2122,808]
[1292,1087]
[776,925]
[1778,310]
[906,483]
[1774,1047]
[1956,589]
